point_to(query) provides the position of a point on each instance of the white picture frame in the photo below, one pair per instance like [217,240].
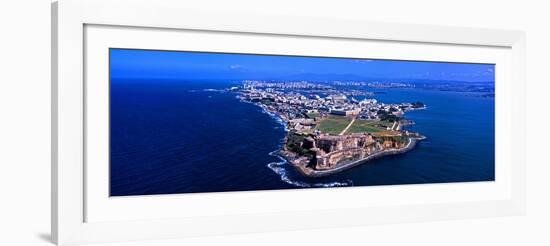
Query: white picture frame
[71,199]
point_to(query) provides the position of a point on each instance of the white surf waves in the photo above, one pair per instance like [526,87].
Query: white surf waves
[280,168]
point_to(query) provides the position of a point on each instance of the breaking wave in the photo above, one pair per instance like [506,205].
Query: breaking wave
[280,169]
[276,118]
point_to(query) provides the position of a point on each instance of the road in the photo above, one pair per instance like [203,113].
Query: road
[396,126]
[347,127]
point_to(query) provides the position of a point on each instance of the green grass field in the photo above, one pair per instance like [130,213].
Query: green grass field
[368,126]
[333,124]
[313,115]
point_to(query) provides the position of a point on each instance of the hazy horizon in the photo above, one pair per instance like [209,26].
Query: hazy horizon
[154,64]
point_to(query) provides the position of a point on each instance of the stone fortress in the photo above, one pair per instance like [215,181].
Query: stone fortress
[332,150]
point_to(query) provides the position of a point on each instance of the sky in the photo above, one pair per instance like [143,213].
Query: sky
[152,64]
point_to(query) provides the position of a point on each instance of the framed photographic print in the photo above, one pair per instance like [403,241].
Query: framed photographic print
[190,122]
[169,125]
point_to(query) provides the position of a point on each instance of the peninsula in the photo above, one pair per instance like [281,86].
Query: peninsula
[329,130]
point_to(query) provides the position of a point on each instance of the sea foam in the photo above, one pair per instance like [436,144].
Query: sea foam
[280,168]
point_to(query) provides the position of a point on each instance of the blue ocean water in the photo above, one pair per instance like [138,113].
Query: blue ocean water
[171,137]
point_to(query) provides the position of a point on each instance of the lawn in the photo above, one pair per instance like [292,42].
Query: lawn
[333,124]
[368,126]
[313,115]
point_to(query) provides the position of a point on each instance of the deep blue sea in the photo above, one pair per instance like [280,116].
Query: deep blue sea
[172,137]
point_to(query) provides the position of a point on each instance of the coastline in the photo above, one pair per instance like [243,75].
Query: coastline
[278,167]
[288,157]
[273,115]
[308,172]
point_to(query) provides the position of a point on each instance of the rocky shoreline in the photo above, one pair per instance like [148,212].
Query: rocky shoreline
[309,172]
[290,157]
[327,165]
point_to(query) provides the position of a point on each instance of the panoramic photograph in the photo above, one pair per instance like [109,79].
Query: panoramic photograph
[193,122]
